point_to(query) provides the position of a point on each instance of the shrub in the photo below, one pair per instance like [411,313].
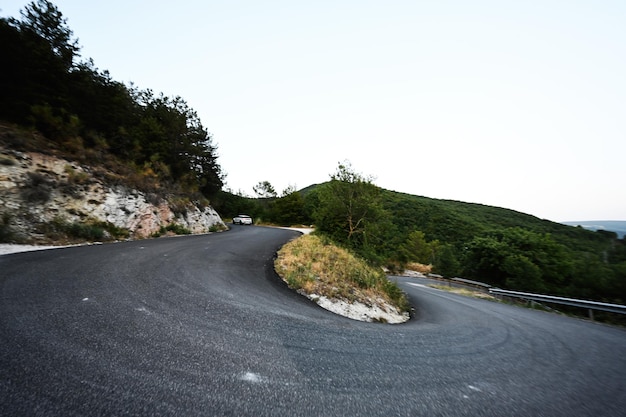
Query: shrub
[37,188]
[6,232]
[174,228]
[84,231]
[216,228]
[91,230]
[178,229]
[76,177]
[118,232]
[179,205]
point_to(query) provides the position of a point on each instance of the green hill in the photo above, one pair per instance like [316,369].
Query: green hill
[456,221]
[499,246]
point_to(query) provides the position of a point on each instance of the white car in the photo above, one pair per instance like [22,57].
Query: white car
[242,219]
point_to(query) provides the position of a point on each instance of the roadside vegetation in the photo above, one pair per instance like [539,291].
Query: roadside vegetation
[314,265]
[173,229]
[60,230]
[498,246]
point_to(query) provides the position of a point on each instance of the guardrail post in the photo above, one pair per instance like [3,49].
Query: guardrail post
[591,314]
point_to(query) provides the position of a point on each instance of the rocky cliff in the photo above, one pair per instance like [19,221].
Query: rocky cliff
[39,193]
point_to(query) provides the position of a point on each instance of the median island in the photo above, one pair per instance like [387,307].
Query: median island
[340,282]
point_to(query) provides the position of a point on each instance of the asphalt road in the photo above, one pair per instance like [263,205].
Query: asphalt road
[201,326]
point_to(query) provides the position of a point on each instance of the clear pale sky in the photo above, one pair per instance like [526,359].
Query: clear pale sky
[515,104]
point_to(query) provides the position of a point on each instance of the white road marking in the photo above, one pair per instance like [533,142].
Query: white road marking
[252,377]
[417,285]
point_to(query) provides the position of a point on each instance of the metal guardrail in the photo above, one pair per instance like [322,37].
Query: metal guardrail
[590,305]
[469,281]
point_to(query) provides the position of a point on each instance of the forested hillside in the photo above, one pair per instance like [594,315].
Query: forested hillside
[157,142]
[511,249]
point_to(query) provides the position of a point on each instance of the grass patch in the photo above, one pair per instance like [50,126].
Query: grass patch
[75,176]
[217,228]
[418,267]
[173,228]
[59,229]
[465,292]
[316,266]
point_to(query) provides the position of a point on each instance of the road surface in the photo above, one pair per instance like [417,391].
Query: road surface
[201,326]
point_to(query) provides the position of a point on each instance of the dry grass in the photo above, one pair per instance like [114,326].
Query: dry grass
[417,267]
[465,292]
[315,266]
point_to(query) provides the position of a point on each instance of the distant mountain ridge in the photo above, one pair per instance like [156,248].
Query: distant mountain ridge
[617,226]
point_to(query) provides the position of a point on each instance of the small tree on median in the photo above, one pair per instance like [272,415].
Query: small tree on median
[350,211]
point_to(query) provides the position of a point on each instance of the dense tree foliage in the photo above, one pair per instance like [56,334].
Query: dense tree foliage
[288,209]
[511,249]
[519,259]
[81,108]
[349,210]
[417,249]
[230,204]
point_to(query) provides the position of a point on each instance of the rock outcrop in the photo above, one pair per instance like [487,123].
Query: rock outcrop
[38,189]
